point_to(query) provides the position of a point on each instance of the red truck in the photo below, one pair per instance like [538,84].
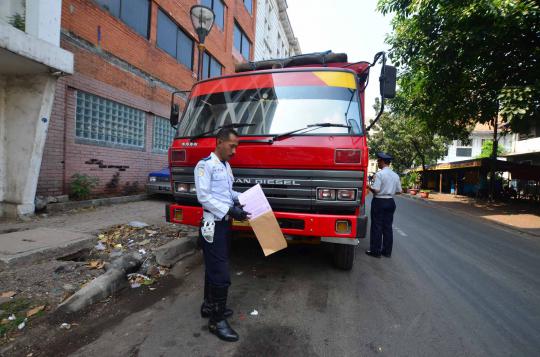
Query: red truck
[302,138]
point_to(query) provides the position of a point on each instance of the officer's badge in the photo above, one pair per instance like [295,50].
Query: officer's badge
[201,171]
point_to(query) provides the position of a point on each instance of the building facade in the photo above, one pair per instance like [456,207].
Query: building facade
[109,118]
[274,36]
[460,151]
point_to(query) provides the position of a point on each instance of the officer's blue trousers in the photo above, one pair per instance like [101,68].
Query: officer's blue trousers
[382,216]
[216,255]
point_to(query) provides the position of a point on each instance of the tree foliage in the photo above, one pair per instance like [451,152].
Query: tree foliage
[409,141]
[487,150]
[464,62]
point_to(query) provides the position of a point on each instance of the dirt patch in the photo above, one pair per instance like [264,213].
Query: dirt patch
[50,282]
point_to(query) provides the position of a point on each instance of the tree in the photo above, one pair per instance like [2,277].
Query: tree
[407,140]
[464,62]
[487,150]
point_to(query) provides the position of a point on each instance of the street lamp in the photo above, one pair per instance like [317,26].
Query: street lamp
[202,18]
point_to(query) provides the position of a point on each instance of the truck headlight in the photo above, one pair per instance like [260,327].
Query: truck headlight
[346,195]
[181,187]
[327,194]
[152,179]
[192,188]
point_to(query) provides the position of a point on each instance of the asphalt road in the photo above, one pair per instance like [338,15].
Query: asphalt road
[454,286]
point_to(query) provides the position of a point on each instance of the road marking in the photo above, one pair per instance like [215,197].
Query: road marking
[401,233]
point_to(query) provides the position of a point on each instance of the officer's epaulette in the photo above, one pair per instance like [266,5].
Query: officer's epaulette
[207,158]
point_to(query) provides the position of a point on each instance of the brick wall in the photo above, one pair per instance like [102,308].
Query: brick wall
[127,68]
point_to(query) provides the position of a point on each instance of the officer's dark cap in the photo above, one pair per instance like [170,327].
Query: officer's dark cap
[384,156]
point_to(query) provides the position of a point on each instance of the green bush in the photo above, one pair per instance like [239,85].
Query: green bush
[81,186]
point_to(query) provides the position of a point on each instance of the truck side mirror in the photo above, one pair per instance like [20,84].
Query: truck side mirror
[175,112]
[388,81]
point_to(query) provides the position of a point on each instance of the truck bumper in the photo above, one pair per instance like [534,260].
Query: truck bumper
[332,228]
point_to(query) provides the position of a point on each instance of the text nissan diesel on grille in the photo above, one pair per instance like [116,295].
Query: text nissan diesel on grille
[302,138]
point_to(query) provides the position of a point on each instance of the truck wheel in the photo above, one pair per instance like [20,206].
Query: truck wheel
[344,256]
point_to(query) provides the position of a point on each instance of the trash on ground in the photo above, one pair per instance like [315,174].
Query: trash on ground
[118,246]
[12,317]
[254,313]
[144,242]
[152,289]
[65,326]
[100,246]
[96,264]
[163,271]
[35,310]
[22,324]
[150,232]
[142,251]
[239,273]
[137,224]
[136,280]
[8,294]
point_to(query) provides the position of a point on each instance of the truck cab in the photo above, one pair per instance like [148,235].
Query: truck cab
[302,138]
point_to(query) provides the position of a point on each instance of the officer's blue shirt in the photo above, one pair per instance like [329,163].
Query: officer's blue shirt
[213,181]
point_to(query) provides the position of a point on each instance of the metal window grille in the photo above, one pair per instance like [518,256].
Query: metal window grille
[163,135]
[106,122]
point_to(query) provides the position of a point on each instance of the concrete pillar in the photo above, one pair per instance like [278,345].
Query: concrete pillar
[43,19]
[24,119]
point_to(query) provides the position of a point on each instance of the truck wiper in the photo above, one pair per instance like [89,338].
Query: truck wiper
[234,125]
[307,129]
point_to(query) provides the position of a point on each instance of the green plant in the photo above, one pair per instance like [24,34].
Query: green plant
[19,20]
[81,186]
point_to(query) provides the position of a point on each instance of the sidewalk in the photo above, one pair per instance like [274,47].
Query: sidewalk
[521,216]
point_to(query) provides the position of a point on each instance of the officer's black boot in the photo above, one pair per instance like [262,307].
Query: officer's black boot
[217,324]
[206,308]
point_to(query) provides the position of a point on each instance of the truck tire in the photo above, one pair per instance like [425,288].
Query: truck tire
[344,256]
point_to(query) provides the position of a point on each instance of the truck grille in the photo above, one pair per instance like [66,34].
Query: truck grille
[289,190]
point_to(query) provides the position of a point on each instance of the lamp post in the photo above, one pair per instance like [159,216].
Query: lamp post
[202,18]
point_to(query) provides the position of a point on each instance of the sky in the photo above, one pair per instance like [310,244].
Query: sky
[350,26]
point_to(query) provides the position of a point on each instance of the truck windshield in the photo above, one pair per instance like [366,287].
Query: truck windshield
[275,109]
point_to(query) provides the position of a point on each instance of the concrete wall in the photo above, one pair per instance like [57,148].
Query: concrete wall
[27,107]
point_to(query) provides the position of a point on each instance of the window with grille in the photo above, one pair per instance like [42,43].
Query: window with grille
[211,67]
[219,11]
[163,135]
[105,122]
[241,41]
[173,40]
[134,13]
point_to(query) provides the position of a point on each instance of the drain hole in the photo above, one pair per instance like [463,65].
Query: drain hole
[80,256]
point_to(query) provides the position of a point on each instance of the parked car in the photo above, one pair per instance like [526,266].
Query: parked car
[159,182]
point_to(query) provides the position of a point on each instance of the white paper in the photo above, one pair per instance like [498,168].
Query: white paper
[254,201]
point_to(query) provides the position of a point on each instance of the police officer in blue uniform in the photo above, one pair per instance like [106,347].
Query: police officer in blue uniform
[213,181]
[385,185]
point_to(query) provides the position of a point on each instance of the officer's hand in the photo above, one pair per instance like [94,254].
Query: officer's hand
[238,213]
[236,202]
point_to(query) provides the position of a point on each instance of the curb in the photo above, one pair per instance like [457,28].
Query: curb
[104,285]
[458,212]
[169,254]
[65,206]
[9,261]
